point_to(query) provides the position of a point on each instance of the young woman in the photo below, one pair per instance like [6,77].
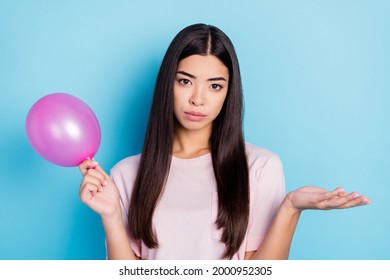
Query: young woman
[198,191]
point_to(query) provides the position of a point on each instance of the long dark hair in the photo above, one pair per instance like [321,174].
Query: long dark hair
[226,142]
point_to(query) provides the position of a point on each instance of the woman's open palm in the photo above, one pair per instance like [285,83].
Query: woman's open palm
[322,199]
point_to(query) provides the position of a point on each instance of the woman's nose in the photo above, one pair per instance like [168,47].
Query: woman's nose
[197,98]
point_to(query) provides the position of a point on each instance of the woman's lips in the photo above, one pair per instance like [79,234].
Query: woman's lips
[194,116]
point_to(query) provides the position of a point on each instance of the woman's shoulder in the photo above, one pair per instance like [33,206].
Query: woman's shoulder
[124,174]
[259,157]
[266,167]
[126,165]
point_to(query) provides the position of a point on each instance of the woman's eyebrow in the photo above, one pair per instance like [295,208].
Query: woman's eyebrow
[194,77]
[217,79]
[186,74]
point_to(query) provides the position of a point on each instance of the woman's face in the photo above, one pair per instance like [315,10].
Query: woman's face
[200,89]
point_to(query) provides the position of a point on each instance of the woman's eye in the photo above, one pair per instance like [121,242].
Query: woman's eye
[184,81]
[216,87]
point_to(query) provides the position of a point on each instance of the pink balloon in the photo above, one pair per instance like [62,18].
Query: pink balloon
[63,129]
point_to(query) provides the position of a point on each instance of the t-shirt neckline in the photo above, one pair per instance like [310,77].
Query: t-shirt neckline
[190,161]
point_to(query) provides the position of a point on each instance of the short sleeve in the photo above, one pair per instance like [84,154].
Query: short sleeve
[267,193]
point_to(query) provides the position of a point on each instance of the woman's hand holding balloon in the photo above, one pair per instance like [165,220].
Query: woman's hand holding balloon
[98,191]
[322,199]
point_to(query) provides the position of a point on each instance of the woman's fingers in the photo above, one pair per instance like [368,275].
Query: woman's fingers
[322,197]
[94,180]
[357,200]
[97,174]
[336,201]
[87,165]
[97,189]
[344,200]
[88,191]
[94,177]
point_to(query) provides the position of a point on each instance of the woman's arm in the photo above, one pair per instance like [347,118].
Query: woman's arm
[99,192]
[117,242]
[277,242]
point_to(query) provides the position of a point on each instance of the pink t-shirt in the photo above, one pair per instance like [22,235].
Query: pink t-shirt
[184,219]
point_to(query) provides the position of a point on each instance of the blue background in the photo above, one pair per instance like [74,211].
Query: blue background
[316,84]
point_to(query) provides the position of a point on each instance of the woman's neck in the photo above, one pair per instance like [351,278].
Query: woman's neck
[190,144]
